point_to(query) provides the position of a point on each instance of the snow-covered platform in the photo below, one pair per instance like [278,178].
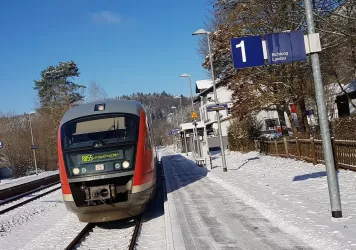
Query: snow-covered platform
[202,214]
[11,188]
[5,184]
[293,195]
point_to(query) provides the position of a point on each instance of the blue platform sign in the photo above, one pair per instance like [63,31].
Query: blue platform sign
[309,112]
[216,107]
[285,47]
[1,144]
[247,52]
[173,131]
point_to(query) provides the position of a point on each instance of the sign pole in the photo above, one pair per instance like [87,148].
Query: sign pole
[333,185]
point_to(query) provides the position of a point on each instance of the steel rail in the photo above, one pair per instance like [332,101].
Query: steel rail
[27,201]
[19,196]
[135,233]
[80,236]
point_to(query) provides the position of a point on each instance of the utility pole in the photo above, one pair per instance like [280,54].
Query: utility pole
[333,184]
[33,149]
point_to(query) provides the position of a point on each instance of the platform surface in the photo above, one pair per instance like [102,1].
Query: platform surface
[200,214]
[5,184]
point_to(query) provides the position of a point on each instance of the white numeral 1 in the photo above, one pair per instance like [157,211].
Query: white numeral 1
[243,52]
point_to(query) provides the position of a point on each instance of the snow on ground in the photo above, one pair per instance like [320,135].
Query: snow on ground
[110,235]
[152,234]
[201,214]
[41,224]
[27,197]
[18,181]
[293,195]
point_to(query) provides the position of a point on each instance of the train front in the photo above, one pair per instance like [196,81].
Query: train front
[98,157]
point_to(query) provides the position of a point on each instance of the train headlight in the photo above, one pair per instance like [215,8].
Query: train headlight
[125,164]
[84,170]
[117,165]
[76,171]
[99,107]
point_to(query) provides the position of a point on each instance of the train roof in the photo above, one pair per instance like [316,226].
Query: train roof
[111,106]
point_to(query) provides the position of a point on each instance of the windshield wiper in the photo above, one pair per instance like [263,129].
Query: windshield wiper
[99,142]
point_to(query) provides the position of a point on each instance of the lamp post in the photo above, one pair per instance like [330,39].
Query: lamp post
[181,108]
[175,120]
[181,120]
[171,118]
[33,149]
[190,85]
[174,115]
[203,32]
[195,134]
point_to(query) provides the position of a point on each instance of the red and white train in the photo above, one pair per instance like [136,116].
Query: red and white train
[106,160]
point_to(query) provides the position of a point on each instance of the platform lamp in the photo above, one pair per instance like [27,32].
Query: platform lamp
[207,33]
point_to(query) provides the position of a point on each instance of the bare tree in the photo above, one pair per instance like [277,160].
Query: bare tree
[15,135]
[95,92]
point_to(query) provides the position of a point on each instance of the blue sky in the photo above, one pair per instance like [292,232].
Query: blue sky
[126,46]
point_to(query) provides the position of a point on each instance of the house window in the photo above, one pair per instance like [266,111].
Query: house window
[271,124]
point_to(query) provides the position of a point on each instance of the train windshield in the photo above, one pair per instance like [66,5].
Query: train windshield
[101,131]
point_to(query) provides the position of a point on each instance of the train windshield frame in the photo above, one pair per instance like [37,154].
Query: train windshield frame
[99,130]
[100,144]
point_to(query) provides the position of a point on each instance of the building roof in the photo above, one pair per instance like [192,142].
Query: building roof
[208,90]
[202,85]
[349,88]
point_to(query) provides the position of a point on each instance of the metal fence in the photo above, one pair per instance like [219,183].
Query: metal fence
[311,150]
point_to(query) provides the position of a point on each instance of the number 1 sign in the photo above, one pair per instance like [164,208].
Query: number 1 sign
[247,52]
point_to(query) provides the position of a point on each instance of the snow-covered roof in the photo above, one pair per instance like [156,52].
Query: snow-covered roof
[204,92]
[203,84]
[189,126]
[349,88]
[334,89]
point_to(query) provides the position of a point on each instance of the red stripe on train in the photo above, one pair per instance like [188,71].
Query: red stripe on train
[144,171]
[62,170]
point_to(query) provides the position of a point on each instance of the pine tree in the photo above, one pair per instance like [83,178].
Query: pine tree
[55,88]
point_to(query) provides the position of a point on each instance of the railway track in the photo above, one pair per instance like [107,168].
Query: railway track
[21,199]
[109,235]
[19,187]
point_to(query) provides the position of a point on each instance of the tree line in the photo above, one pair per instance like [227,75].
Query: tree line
[57,92]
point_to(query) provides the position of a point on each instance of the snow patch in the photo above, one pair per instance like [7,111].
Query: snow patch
[292,194]
[308,237]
